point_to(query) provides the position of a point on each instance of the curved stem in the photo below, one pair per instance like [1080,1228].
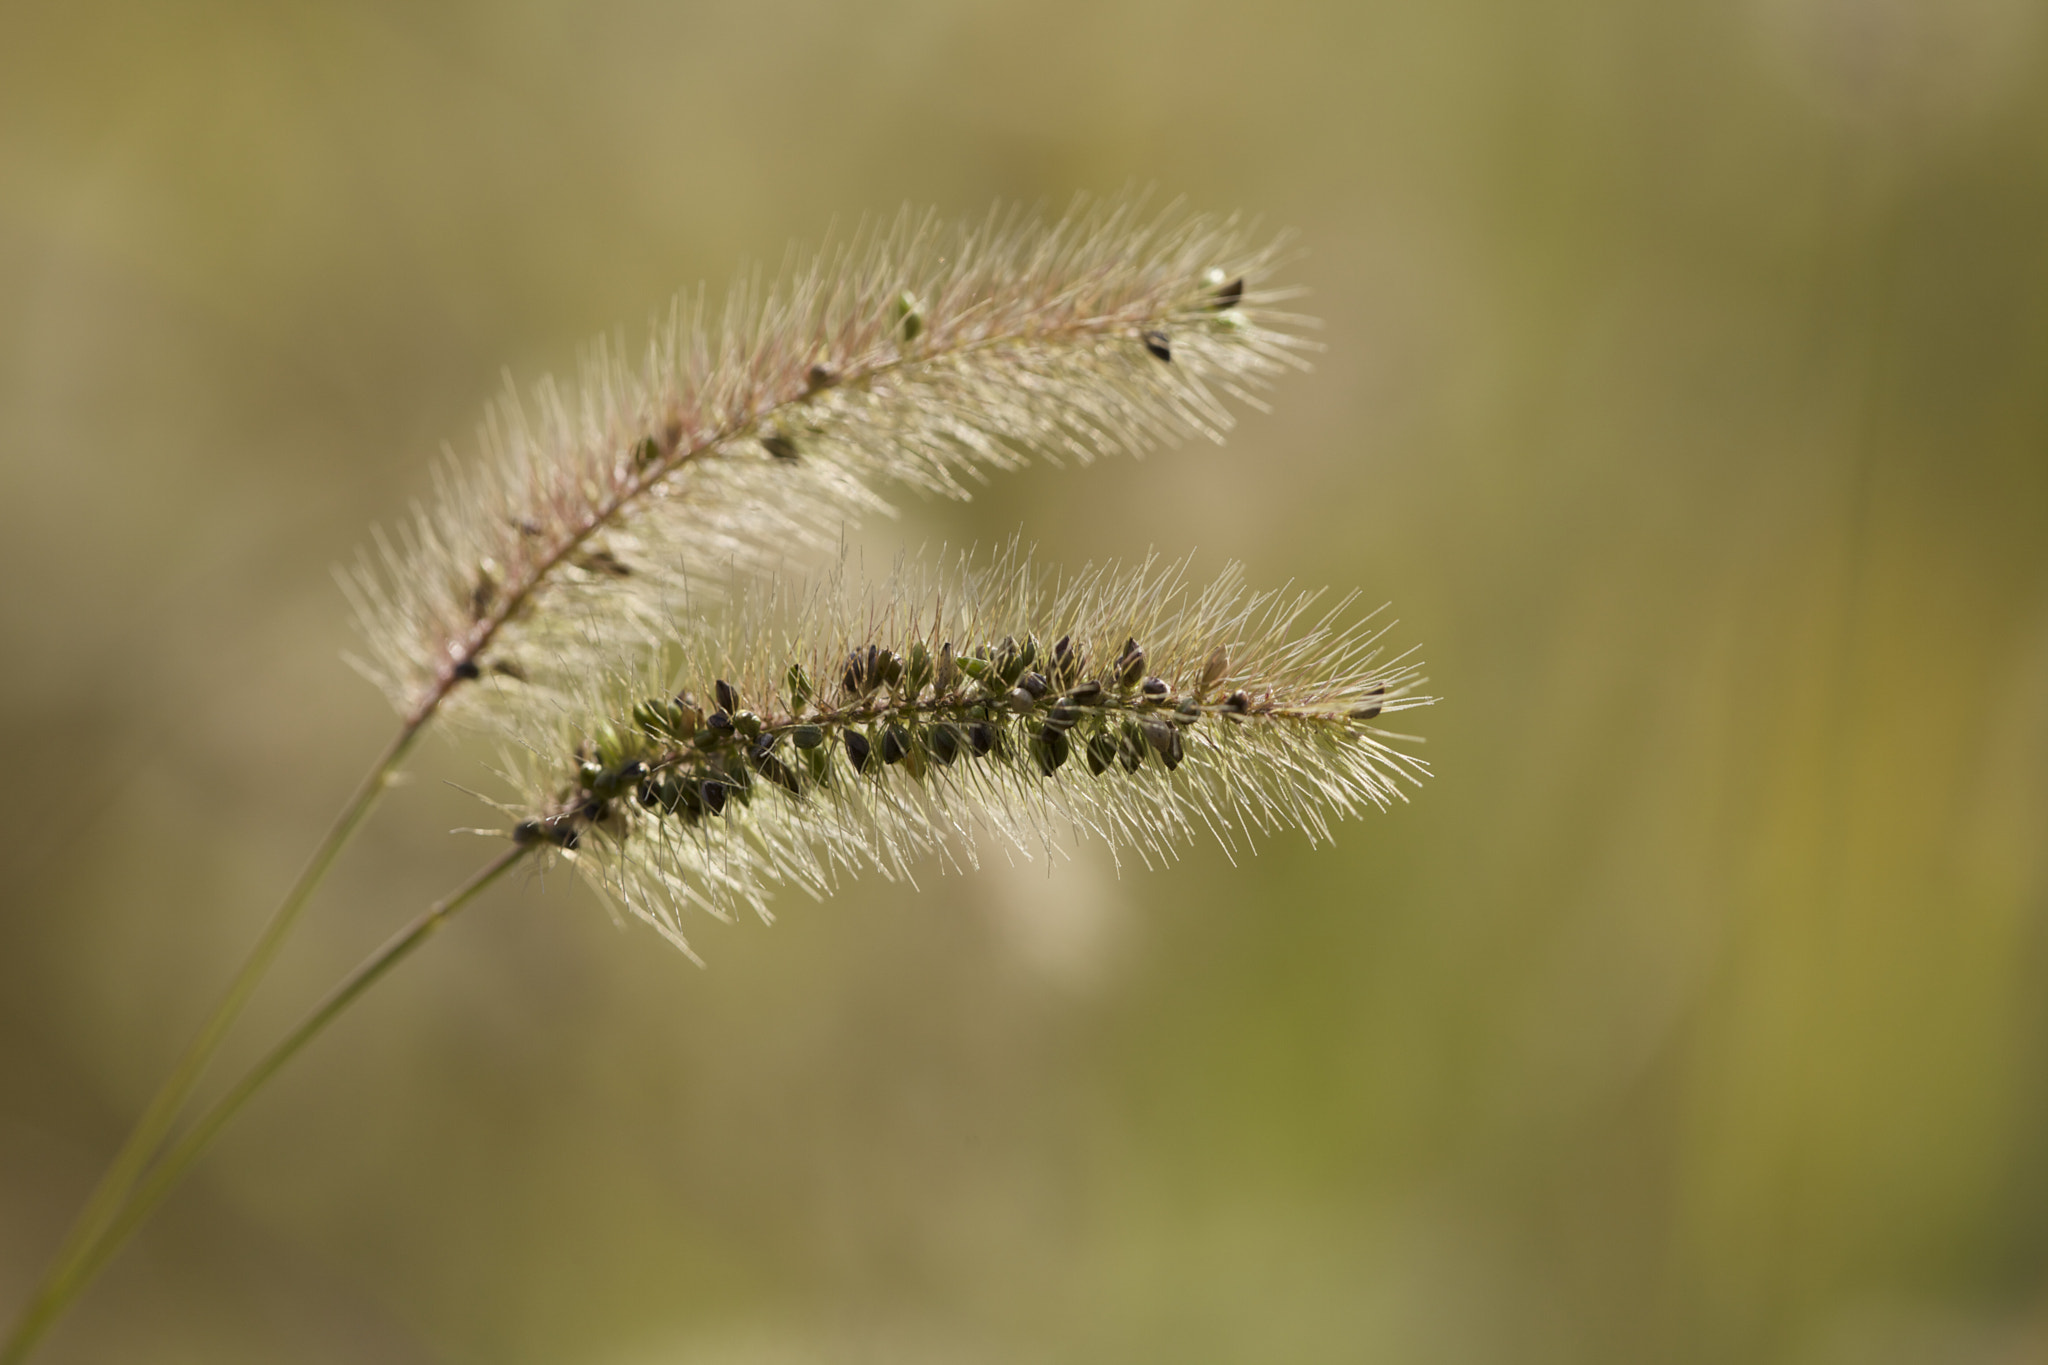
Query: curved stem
[110,1197]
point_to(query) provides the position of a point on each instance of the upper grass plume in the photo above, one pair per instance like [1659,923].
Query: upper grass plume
[917,353]
[812,731]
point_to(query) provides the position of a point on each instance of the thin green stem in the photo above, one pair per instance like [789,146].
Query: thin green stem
[163,1177]
[61,1282]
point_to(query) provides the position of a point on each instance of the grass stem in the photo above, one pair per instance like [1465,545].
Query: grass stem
[109,1205]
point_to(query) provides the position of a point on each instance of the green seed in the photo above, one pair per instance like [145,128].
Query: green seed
[917,669]
[909,316]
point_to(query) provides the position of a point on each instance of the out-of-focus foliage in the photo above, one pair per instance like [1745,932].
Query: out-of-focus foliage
[1685,393]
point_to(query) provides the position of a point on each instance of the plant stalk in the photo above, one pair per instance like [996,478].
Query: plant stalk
[62,1281]
[164,1175]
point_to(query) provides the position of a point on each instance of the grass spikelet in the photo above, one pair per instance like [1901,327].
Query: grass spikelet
[916,354]
[814,731]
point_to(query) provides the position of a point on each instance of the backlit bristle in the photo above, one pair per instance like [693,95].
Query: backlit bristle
[1252,717]
[917,354]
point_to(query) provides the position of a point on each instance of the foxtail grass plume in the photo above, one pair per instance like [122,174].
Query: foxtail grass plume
[810,732]
[916,354]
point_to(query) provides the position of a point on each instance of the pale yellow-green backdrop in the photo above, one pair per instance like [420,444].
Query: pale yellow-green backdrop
[1687,393]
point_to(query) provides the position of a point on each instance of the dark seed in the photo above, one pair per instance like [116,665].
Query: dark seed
[1087,694]
[1155,342]
[895,744]
[595,809]
[1165,741]
[718,720]
[1050,749]
[942,678]
[527,833]
[603,562]
[982,736]
[1237,703]
[648,794]
[944,743]
[1130,748]
[776,771]
[886,667]
[564,836]
[1101,753]
[859,750]
[1373,708]
[819,378]
[1188,712]
[1035,684]
[1062,716]
[1130,665]
[1229,295]
[781,447]
[467,670]
[737,776]
[647,452]
[1155,687]
[856,676]
[713,795]
[508,668]
[728,699]
[1019,700]
[1066,662]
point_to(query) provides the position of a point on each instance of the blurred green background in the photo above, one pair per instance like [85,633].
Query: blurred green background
[1687,393]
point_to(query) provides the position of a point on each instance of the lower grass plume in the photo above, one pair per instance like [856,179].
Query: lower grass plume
[818,729]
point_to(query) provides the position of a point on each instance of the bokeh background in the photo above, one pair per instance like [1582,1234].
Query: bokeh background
[1686,392]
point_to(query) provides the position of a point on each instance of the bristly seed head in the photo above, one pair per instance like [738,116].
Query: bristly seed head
[914,354]
[893,771]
